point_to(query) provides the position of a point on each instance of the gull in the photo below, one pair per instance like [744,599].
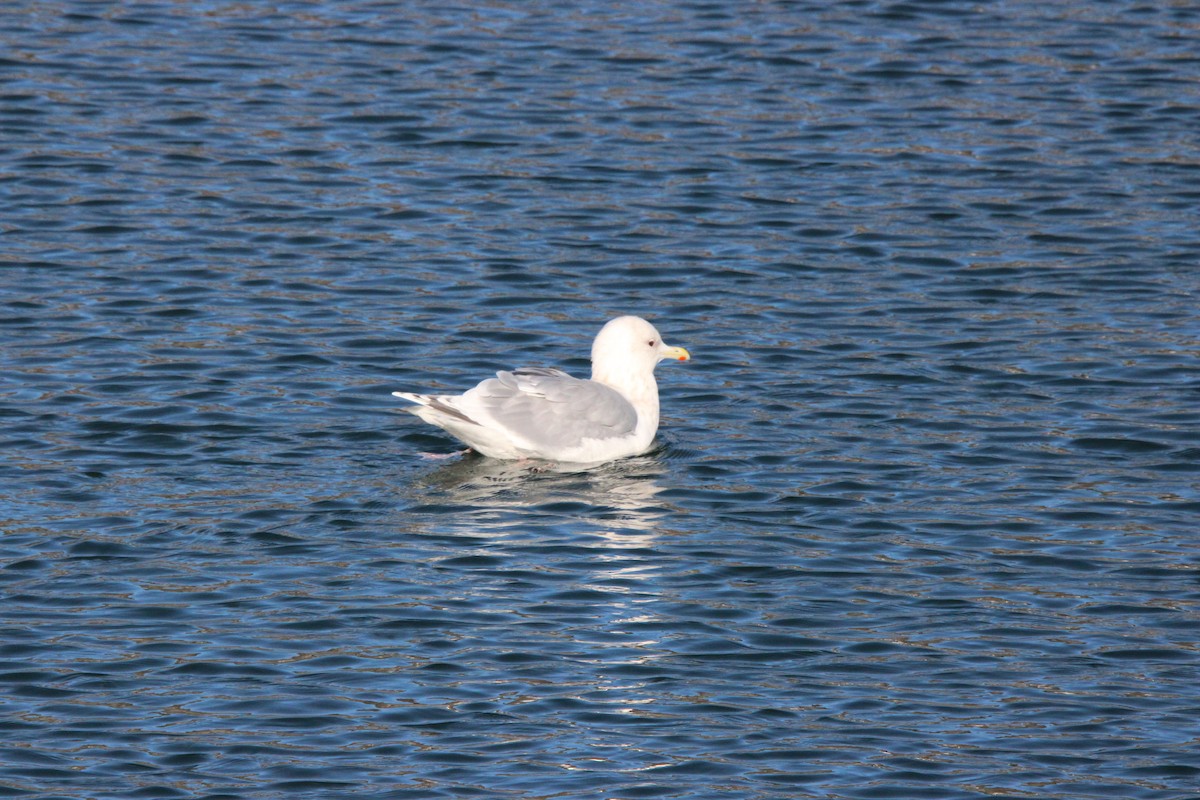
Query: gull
[541,413]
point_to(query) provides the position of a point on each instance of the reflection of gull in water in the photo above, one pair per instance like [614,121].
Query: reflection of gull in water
[593,530]
[615,501]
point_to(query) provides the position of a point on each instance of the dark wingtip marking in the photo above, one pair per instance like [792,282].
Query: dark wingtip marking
[454,412]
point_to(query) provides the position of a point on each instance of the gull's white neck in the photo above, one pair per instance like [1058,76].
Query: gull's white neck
[639,388]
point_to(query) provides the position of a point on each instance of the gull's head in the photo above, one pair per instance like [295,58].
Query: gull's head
[633,342]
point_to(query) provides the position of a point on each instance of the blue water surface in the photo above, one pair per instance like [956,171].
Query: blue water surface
[921,521]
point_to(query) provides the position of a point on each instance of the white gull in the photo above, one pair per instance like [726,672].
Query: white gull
[534,412]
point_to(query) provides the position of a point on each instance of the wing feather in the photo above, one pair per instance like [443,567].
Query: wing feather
[550,409]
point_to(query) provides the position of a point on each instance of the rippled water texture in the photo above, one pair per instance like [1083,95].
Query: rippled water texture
[922,518]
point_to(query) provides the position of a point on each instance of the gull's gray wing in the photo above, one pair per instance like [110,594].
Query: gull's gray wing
[553,410]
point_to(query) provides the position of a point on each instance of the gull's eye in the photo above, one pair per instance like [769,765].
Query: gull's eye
[652,343]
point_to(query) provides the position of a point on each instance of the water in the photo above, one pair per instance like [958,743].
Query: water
[921,519]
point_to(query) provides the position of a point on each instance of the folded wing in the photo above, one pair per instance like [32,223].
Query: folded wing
[548,408]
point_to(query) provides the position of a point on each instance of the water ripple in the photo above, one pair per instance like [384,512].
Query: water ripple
[920,518]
